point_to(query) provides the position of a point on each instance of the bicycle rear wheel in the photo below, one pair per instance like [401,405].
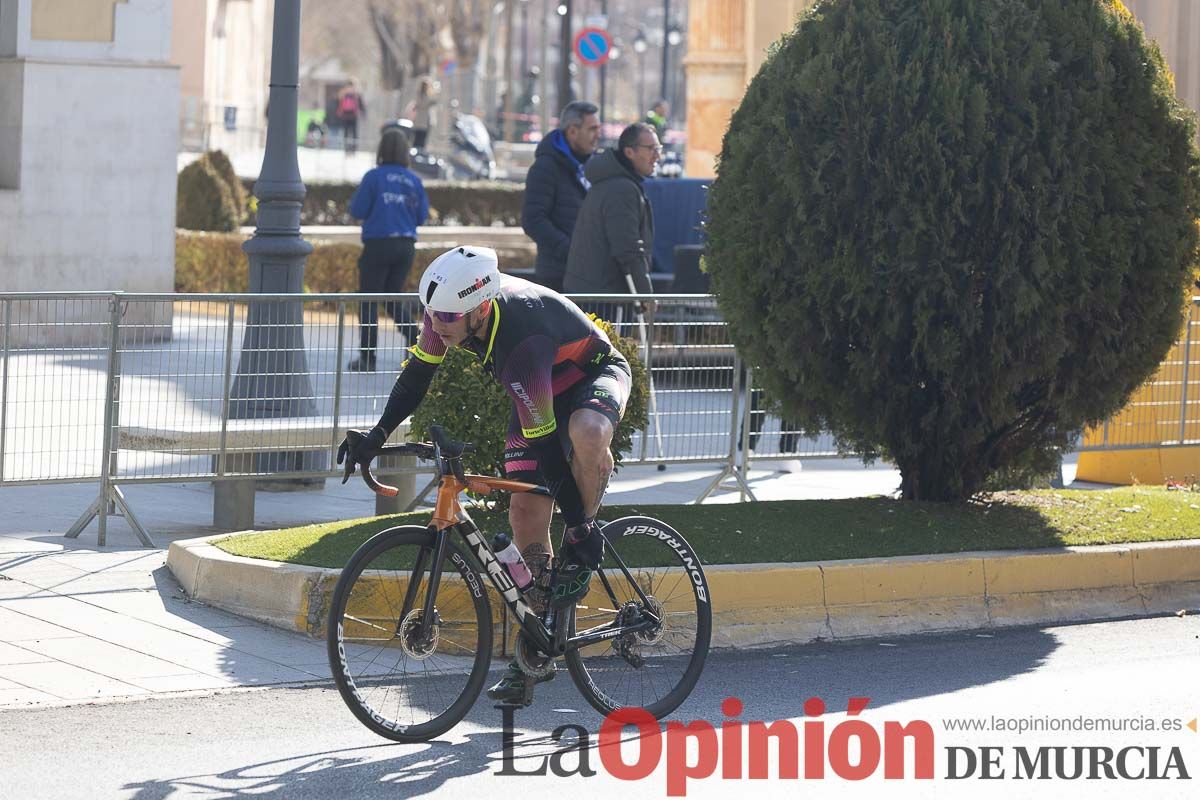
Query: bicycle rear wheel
[654,669]
[399,684]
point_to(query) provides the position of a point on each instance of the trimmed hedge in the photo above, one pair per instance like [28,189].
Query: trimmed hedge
[215,263]
[484,203]
[210,262]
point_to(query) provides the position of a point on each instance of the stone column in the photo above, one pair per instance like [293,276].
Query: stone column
[727,43]
[716,77]
[1175,26]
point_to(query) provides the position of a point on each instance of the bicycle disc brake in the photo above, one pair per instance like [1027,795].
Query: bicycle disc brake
[532,661]
[628,645]
[655,634]
[410,631]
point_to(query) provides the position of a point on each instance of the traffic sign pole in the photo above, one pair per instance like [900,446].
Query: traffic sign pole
[564,74]
[604,73]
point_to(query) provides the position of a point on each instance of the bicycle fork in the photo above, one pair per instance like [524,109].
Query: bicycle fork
[414,582]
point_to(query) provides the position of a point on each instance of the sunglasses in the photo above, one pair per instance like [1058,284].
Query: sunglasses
[447,316]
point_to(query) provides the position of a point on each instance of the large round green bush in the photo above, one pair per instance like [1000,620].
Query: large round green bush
[954,232]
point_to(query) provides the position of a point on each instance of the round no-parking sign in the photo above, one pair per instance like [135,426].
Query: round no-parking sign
[593,45]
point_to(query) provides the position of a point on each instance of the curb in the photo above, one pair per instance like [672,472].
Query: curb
[764,605]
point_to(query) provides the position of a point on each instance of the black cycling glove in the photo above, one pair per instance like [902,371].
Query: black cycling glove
[584,543]
[361,449]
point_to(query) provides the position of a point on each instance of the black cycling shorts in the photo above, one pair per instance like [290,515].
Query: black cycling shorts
[606,392]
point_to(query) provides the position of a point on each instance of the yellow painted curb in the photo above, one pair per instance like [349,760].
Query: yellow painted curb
[748,588]
[885,580]
[1154,564]
[1063,570]
[773,604]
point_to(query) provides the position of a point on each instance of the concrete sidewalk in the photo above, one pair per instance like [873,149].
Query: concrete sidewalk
[80,624]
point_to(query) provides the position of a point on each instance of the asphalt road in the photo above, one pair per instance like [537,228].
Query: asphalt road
[301,742]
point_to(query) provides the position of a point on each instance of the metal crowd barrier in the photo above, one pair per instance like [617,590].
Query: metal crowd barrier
[150,388]
[144,388]
[1165,411]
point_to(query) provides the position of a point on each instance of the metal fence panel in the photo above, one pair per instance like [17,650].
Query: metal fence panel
[226,398]
[1165,411]
[690,361]
[53,380]
[186,399]
[766,436]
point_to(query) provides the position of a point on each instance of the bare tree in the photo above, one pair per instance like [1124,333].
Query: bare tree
[468,21]
[408,32]
[337,31]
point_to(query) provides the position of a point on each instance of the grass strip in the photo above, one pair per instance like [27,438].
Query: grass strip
[822,530]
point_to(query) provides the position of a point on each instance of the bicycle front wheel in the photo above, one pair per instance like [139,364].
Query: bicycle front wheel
[401,680]
[655,668]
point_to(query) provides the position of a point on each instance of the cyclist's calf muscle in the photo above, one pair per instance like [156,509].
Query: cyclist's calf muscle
[591,463]
[530,516]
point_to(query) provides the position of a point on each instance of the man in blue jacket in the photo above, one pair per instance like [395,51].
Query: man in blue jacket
[555,187]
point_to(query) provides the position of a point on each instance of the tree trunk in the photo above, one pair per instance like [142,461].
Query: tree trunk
[934,480]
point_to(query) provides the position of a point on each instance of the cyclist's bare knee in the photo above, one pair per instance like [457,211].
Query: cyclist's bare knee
[591,434]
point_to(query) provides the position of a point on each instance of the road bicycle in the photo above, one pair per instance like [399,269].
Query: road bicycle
[410,621]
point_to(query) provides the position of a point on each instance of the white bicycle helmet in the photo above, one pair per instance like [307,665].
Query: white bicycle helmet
[460,280]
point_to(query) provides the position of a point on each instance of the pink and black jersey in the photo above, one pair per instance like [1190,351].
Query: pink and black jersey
[537,344]
[540,346]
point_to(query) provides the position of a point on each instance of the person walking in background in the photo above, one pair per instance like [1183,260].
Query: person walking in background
[333,125]
[391,201]
[555,187]
[420,111]
[350,107]
[657,117]
[614,235]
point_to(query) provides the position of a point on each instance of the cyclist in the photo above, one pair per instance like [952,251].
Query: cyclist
[569,387]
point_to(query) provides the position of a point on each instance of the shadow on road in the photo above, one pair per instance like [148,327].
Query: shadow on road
[414,770]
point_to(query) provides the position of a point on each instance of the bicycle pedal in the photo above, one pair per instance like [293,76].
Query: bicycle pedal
[502,706]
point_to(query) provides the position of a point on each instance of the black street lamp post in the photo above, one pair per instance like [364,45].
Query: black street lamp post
[666,48]
[604,72]
[565,44]
[272,375]
[640,46]
[673,39]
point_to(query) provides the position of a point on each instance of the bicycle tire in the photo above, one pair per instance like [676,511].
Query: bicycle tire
[601,670]
[365,595]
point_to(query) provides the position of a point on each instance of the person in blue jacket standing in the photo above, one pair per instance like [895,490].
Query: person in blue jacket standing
[391,202]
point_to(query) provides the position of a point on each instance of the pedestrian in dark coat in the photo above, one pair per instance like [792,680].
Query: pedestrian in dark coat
[555,187]
[614,235]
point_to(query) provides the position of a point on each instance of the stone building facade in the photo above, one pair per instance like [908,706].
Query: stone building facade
[88,142]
